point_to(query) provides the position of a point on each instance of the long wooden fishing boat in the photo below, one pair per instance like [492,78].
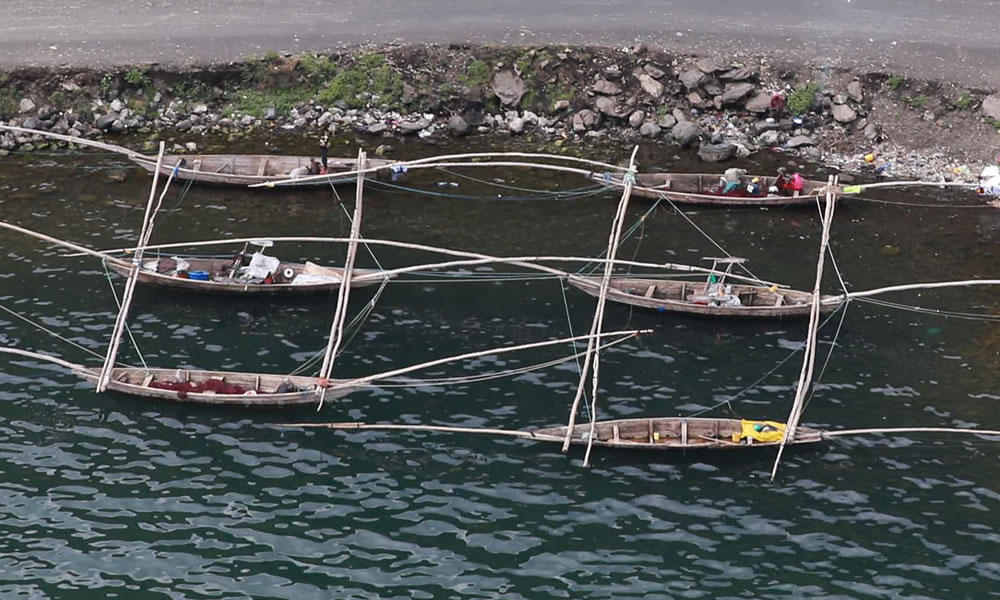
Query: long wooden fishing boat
[648,433]
[679,433]
[704,188]
[288,279]
[247,169]
[220,388]
[733,300]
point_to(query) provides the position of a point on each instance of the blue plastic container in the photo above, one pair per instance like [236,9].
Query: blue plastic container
[198,275]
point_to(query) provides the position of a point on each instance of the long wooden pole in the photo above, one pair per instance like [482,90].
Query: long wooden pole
[73,140]
[80,250]
[602,299]
[45,357]
[809,361]
[920,286]
[595,326]
[133,278]
[478,354]
[524,262]
[875,430]
[472,159]
[344,292]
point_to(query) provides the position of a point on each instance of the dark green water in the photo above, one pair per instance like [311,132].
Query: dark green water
[110,496]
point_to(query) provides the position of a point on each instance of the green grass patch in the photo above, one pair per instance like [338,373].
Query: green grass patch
[137,78]
[965,101]
[994,123]
[916,102]
[477,74]
[894,82]
[191,90]
[107,82]
[256,102]
[371,81]
[803,98]
[8,102]
[318,67]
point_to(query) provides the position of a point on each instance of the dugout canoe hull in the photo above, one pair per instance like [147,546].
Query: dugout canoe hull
[668,433]
[675,296]
[247,169]
[214,266]
[135,382]
[701,188]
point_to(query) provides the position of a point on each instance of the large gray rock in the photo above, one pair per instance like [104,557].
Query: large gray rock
[420,124]
[608,106]
[200,109]
[735,92]
[516,125]
[991,106]
[650,130]
[560,105]
[650,85]
[770,138]
[667,121]
[712,86]
[685,132]
[697,101]
[117,105]
[608,88]
[711,65]
[855,91]
[26,106]
[762,126]
[758,103]
[714,153]
[738,74]
[104,122]
[799,141]
[844,113]
[636,118]
[31,123]
[458,126]
[508,87]
[653,71]
[692,78]
[184,125]
[586,119]
[118,126]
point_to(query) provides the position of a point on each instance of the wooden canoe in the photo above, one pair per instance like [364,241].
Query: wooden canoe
[247,169]
[691,297]
[703,188]
[136,381]
[220,283]
[669,433]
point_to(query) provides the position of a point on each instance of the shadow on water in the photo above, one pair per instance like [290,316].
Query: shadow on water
[147,500]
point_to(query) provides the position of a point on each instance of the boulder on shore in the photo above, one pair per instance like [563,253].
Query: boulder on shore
[844,113]
[991,106]
[685,132]
[508,87]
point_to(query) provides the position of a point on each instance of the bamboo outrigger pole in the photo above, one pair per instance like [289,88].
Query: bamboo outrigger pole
[344,293]
[595,327]
[603,298]
[133,278]
[809,361]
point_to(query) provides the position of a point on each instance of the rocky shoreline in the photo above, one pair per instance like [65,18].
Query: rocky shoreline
[721,107]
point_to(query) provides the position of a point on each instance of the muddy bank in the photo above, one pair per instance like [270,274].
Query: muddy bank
[721,107]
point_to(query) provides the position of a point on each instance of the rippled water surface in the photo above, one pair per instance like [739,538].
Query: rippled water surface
[112,496]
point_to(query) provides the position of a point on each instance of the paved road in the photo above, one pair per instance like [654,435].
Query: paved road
[948,39]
